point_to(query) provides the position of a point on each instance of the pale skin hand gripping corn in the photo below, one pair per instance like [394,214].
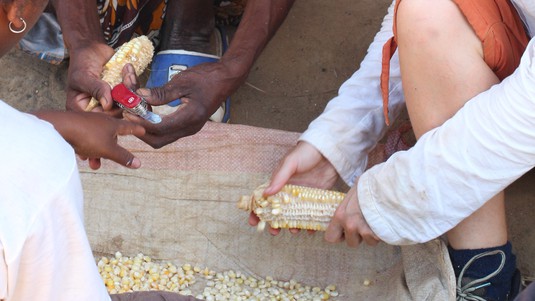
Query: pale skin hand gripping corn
[293,207]
[138,52]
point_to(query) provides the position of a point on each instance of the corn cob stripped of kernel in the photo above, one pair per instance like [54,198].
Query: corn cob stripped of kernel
[138,52]
[293,207]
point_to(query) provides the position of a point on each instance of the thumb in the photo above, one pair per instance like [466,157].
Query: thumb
[100,90]
[156,96]
[280,178]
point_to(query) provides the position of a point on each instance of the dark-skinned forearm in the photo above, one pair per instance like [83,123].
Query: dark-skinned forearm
[62,122]
[260,21]
[79,22]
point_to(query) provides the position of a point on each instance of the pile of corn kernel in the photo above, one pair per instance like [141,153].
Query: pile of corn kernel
[140,273]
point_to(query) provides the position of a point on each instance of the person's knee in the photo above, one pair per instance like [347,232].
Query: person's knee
[421,22]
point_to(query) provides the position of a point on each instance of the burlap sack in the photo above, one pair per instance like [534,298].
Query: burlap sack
[181,206]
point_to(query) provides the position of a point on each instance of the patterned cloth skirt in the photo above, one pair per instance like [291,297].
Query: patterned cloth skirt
[122,19]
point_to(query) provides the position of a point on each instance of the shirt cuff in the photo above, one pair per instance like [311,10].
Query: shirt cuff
[372,214]
[328,148]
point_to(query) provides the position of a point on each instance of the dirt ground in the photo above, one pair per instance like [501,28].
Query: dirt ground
[318,47]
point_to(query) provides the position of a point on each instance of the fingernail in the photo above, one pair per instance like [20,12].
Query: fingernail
[267,192]
[134,163]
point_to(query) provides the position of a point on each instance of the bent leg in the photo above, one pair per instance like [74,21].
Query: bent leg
[442,67]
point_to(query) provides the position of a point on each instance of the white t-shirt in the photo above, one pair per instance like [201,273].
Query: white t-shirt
[422,193]
[44,251]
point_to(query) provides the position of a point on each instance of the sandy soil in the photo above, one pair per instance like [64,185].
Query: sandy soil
[319,46]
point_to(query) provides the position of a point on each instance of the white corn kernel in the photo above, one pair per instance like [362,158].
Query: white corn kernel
[142,274]
[293,207]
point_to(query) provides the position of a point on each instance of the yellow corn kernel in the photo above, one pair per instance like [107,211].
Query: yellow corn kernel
[293,207]
[138,52]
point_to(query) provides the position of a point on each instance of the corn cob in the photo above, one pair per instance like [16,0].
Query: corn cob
[293,207]
[138,52]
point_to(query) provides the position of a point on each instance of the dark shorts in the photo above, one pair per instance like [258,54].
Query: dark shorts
[120,21]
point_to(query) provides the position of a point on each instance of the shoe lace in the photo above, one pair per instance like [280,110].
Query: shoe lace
[467,292]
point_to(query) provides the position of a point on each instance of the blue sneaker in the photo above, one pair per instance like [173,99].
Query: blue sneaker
[168,63]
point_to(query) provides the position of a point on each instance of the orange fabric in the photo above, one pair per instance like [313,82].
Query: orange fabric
[497,25]
[501,31]
[388,51]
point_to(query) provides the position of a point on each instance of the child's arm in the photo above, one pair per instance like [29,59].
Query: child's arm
[94,135]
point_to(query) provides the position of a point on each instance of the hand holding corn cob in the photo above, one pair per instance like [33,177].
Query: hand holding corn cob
[293,207]
[138,52]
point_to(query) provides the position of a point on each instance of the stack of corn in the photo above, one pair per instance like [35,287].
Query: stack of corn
[140,273]
[124,274]
[293,207]
[231,285]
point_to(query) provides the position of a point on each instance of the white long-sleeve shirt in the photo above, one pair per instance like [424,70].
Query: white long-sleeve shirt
[418,195]
[353,122]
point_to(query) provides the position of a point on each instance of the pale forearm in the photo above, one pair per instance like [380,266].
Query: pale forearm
[453,170]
